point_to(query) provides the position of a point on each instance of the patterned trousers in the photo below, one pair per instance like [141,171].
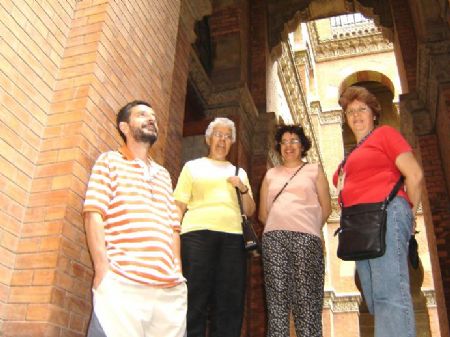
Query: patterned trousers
[294,278]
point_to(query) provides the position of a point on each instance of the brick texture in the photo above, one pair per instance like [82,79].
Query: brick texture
[32,45]
[258,53]
[67,67]
[173,146]
[406,41]
[438,203]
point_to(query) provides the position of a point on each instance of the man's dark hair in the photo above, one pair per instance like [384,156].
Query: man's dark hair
[297,130]
[124,114]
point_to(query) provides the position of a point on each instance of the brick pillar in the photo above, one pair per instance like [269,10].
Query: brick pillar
[258,53]
[436,202]
[173,148]
[191,11]
[52,276]
[228,36]
[103,64]
[256,322]
[405,46]
[430,144]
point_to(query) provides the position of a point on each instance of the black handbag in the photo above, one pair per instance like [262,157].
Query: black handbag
[251,240]
[413,251]
[362,231]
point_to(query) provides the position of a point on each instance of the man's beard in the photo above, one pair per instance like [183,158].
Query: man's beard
[142,137]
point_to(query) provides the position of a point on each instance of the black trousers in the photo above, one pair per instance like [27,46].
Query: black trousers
[214,264]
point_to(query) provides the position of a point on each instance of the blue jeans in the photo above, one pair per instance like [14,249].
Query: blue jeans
[385,280]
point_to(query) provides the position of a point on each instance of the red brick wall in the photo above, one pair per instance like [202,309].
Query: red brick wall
[66,69]
[173,146]
[34,35]
[437,212]
[441,213]
[258,53]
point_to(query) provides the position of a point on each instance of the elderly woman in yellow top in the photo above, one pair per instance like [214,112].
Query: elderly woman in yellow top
[212,246]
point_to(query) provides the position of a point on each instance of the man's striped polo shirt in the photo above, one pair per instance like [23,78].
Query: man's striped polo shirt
[139,214]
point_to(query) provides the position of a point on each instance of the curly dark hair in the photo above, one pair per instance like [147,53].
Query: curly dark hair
[295,129]
[124,114]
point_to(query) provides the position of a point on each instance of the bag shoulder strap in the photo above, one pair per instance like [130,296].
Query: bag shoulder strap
[287,182]
[391,195]
[238,194]
[395,190]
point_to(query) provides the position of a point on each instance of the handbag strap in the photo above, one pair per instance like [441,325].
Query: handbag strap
[395,190]
[238,194]
[342,164]
[287,182]
[391,195]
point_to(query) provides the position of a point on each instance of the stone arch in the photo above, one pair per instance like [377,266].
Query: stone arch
[383,88]
[281,25]
[367,76]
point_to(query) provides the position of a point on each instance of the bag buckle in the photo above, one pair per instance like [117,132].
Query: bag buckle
[338,231]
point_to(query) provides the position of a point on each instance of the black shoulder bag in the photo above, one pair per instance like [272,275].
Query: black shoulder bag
[251,241]
[362,231]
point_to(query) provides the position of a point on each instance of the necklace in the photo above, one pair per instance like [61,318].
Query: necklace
[354,148]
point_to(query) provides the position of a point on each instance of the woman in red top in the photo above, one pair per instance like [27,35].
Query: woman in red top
[381,156]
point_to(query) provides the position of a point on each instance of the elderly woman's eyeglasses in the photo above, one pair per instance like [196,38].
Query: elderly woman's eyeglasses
[221,135]
[290,141]
[353,112]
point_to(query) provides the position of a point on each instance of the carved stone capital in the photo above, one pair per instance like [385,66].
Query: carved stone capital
[430,296]
[199,77]
[415,118]
[341,303]
[335,210]
[433,70]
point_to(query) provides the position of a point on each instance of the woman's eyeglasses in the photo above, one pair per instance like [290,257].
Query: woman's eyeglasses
[356,111]
[290,141]
[221,135]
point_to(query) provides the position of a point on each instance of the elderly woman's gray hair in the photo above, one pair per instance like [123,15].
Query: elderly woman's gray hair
[221,121]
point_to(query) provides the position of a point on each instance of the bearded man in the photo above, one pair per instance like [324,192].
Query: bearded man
[132,231]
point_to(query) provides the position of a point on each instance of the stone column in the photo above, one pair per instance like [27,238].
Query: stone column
[345,311]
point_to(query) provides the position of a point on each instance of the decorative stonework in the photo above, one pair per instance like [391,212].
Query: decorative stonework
[352,41]
[303,57]
[285,15]
[415,120]
[341,303]
[430,296]
[335,215]
[433,69]
[295,97]
[198,76]
[326,117]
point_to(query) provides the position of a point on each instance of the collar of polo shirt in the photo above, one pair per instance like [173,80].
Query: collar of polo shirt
[125,151]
